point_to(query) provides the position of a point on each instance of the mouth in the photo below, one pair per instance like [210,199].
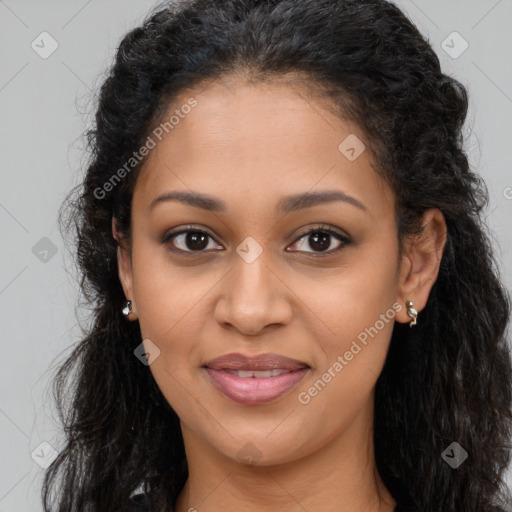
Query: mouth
[253,380]
[257,374]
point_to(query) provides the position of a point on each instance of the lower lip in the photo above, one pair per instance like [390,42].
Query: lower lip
[254,390]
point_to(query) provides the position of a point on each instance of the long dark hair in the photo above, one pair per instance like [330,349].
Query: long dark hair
[446,380]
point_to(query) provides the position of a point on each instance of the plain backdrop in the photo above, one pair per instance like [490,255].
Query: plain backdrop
[45,106]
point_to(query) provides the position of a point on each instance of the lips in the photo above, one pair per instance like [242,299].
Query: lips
[257,379]
[262,362]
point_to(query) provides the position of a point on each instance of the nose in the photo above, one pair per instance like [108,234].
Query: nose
[253,297]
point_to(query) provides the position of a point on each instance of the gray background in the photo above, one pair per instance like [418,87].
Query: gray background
[45,106]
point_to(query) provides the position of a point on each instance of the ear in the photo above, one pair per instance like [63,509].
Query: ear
[124,265]
[420,263]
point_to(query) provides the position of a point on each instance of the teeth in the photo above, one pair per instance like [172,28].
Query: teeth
[244,374]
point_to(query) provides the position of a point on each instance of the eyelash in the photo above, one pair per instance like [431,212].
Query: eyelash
[319,229]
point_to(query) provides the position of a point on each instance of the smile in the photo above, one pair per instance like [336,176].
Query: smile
[251,387]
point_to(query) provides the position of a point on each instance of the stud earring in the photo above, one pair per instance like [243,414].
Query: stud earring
[411,312]
[127,308]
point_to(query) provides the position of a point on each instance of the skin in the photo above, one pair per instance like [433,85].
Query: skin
[250,145]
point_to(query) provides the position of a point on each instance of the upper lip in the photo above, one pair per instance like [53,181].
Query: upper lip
[260,362]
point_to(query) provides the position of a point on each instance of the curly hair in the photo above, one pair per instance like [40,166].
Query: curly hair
[446,380]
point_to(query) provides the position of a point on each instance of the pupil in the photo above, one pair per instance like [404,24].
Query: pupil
[197,238]
[320,241]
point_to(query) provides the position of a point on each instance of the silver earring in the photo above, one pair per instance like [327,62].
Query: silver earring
[411,312]
[127,308]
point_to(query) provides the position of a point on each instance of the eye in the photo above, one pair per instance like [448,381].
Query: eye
[320,240]
[188,239]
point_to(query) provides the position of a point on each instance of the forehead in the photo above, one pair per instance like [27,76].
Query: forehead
[254,143]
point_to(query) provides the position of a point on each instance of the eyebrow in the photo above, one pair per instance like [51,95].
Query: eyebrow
[287,204]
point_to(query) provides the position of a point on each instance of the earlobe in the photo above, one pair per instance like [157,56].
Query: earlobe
[420,265]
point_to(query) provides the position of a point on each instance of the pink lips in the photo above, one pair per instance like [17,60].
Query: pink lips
[259,387]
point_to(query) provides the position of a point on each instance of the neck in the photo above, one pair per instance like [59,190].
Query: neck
[340,476]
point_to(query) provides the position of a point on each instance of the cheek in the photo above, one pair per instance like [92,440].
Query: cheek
[357,316]
[353,352]
[166,295]
[170,315]
[169,308]
[352,297]
[343,381]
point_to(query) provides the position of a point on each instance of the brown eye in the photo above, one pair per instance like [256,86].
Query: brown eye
[320,240]
[190,240]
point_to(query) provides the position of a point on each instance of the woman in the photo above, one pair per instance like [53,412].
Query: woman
[296,305]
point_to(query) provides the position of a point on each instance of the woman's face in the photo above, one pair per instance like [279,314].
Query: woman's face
[262,276]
